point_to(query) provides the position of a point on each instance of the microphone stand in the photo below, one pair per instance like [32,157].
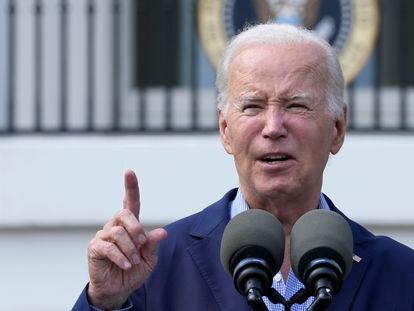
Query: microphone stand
[254,299]
[322,301]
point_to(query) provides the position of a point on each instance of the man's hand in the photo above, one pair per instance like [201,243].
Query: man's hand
[122,255]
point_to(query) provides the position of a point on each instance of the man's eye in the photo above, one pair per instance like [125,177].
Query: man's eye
[252,108]
[297,107]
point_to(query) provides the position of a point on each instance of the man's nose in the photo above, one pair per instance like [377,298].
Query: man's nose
[274,124]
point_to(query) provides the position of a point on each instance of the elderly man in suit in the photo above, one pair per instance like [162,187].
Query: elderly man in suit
[281,114]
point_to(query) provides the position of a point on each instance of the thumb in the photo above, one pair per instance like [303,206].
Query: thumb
[154,238]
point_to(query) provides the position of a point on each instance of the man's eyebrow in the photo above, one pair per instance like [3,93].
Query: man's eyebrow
[296,96]
[250,96]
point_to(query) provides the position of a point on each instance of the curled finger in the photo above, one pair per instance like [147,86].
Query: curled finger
[105,250]
[119,236]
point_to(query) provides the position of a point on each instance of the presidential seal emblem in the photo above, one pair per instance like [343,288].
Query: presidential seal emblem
[350,26]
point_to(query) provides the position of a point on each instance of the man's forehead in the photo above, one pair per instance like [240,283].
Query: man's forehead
[296,49]
[300,61]
[285,58]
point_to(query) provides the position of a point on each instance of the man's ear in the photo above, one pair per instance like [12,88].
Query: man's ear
[339,131]
[224,133]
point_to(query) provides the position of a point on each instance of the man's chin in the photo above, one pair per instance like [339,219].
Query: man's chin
[275,191]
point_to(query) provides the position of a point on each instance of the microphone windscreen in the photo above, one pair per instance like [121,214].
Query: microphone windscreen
[253,227]
[321,234]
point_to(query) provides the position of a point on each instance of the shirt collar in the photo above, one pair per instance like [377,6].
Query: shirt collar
[239,204]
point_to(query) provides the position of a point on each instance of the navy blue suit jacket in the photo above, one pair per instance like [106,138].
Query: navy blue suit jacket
[189,275]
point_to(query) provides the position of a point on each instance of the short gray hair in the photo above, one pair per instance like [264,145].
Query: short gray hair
[279,34]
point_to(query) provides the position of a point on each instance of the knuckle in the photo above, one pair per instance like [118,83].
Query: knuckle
[117,232]
[123,213]
[98,235]
[95,248]
[109,248]
[109,224]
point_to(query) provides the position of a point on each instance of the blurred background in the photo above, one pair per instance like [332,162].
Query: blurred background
[89,88]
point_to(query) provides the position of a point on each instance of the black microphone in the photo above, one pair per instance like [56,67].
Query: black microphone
[321,250]
[252,250]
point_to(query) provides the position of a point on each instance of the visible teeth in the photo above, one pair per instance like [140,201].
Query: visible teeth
[275,158]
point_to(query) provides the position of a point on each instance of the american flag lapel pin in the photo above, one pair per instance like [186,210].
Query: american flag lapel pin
[356,258]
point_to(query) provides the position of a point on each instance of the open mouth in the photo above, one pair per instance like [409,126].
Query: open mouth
[275,159]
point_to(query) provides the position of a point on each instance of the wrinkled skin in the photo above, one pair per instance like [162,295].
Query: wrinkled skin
[279,130]
[277,107]
[122,255]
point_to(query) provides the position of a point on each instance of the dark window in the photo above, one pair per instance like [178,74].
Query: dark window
[396,44]
[156,43]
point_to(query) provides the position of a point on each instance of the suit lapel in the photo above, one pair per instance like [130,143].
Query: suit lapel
[344,299]
[205,252]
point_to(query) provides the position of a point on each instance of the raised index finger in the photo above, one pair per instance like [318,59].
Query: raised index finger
[131,198]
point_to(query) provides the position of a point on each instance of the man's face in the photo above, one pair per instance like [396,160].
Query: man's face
[277,125]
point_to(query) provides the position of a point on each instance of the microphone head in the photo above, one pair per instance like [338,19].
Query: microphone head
[321,234]
[256,230]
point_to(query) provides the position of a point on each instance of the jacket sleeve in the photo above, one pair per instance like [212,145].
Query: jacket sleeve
[82,304]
